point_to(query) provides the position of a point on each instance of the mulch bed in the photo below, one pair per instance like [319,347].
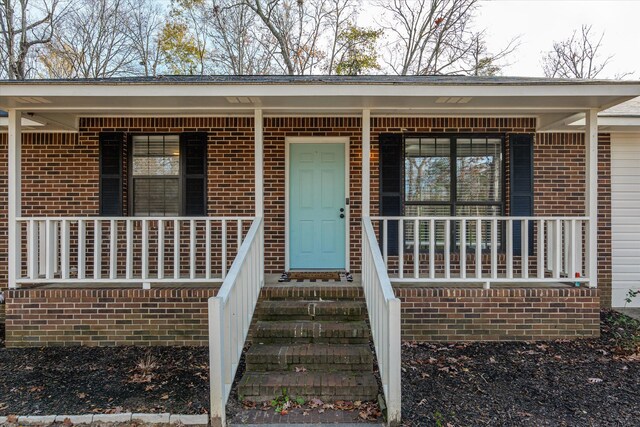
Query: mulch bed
[77,380]
[558,383]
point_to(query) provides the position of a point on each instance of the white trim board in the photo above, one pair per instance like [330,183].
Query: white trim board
[347,163]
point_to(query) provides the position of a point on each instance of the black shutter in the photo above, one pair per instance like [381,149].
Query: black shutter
[111,146]
[194,173]
[391,160]
[521,185]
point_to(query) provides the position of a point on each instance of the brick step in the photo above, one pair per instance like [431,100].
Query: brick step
[306,331]
[305,291]
[312,357]
[328,386]
[312,310]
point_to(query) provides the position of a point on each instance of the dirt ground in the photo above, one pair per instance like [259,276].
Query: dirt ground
[557,383]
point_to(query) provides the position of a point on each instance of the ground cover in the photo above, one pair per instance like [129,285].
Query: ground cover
[573,383]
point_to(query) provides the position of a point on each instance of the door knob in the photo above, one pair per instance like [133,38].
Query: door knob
[341,215]
[341,209]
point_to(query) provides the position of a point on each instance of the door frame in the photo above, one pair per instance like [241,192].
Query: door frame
[345,140]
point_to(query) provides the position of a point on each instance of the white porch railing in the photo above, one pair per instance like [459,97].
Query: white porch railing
[128,249]
[482,250]
[230,313]
[384,317]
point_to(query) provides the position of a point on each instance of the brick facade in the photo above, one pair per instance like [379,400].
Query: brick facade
[60,177]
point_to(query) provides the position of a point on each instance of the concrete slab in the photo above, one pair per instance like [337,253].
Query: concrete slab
[76,419]
[189,420]
[112,418]
[40,420]
[151,418]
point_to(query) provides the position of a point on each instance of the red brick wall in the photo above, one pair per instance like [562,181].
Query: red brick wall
[57,183]
[559,186]
[438,314]
[60,170]
[559,176]
[160,316]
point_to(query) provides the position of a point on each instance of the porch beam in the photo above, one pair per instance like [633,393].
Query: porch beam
[14,194]
[591,196]
[366,163]
[259,163]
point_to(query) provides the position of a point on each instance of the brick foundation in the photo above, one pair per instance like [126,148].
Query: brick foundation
[47,317]
[103,317]
[437,314]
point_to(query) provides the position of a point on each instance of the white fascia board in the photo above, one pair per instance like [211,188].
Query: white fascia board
[627,91]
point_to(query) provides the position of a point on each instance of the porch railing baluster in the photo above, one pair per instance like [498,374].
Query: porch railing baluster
[540,244]
[97,249]
[200,254]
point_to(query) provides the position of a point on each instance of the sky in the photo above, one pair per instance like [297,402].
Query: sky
[540,22]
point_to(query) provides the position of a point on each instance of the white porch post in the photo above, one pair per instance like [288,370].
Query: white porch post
[15,199]
[591,199]
[259,167]
[259,182]
[366,163]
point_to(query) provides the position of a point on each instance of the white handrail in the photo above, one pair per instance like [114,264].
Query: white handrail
[481,249]
[384,318]
[230,314]
[128,249]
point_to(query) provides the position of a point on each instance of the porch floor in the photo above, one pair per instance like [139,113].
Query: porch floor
[271,280]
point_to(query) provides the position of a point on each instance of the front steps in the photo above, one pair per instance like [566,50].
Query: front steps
[310,347]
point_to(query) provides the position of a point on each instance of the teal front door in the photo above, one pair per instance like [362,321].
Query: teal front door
[317,217]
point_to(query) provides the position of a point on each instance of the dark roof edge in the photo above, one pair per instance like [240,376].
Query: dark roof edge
[308,80]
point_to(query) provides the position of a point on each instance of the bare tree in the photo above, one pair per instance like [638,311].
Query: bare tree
[92,41]
[577,57]
[145,21]
[24,25]
[234,40]
[242,46]
[296,27]
[480,62]
[341,14]
[435,37]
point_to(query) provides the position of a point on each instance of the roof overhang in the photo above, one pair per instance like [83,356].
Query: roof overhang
[610,124]
[556,104]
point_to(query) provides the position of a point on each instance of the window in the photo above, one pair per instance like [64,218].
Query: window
[156,175]
[452,176]
[166,174]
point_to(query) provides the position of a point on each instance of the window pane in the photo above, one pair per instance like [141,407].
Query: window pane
[427,169]
[156,156]
[479,164]
[156,197]
[160,166]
